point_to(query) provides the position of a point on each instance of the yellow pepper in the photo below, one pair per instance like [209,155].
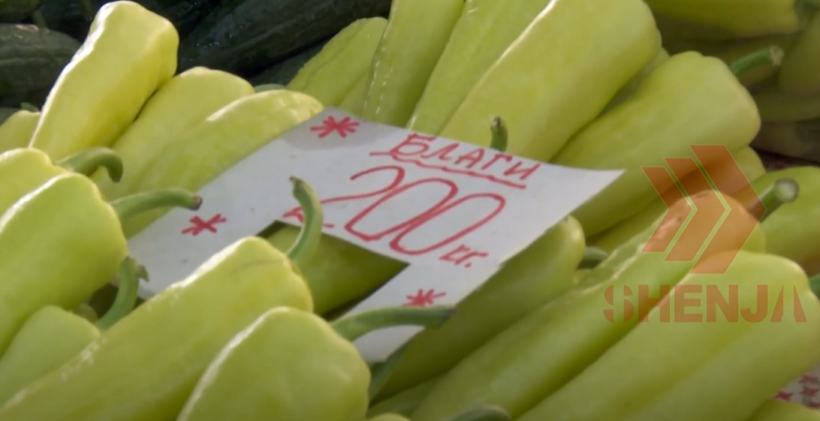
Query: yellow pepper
[181,103]
[775,410]
[128,54]
[16,131]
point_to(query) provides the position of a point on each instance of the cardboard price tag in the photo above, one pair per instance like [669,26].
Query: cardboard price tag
[454,212]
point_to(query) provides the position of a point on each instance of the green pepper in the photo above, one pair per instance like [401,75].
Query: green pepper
[799,74]
[388,417]
[794,230]
[416,35]
[716,365]
[628,90]
[52,336]
[292,365]
[345,59]
[546,88]
[688,100]
[477,414]
[776,105]
[23,170]
[539,274]
[150,361]
[722,173]
[775,410]
[74,245]
[485,30]
[16,131]
[738,19]
[179,104]
[404,402]
[230,134]
[541,352]
[353,102]
[128,53]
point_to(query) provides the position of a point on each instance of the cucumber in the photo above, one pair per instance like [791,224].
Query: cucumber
[13,11]
[67,15]
[283,72]
[31,59]
[246,36]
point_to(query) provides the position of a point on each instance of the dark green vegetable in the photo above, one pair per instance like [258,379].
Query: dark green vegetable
[14,11]
[281,73]
[69,17]
[245,37]
[31,59]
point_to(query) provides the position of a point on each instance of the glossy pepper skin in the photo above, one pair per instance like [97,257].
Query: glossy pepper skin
[775,410]
[353,102]
[483,32]
[53,336]
[794,230]
[717,365]
[179,104]
[318,375]
[345,59]
[128,54]
[227,136]
[74,245]
[730,19]
[17,130]
[544,103]
[416,35]
[179,332]
[540,353]
[537,275]
[723,172]
[22,170]
[688,100]
[628,90]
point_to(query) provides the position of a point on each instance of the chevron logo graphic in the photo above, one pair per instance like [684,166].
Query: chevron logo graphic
[700,209]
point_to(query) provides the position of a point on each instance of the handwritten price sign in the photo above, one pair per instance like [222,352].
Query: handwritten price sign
[454,212]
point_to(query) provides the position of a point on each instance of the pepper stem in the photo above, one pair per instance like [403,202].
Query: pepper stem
[130,206]
[593,256]
[28,107]
[784,190]
[268,87]
[499,131]
[39,20]
[88,161]
[814,285]
[483,413]
[307,242]
[357,325]
[768,56]
[130,274]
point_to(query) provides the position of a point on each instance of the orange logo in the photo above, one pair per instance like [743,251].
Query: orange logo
[699,200]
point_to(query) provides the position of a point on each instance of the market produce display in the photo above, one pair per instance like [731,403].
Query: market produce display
[115,113]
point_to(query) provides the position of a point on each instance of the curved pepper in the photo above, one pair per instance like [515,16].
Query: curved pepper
[353,102]
[181,103]
[416,35]
[203,152]
[547,348]
[290,364]
[17,130]
[345,59]
[546,89]
[717,364]
[738,19]
[776,105]
[794,230]
[799,75]
[404,402]
[74,245]
[775,410]
[388,417]
[628,90]
[537,275]
[128,54]
[165,345]
[485,30]
[688,100]
[52,336]
[23,170]
[723,173]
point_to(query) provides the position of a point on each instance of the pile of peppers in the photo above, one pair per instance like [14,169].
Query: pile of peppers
[595,320]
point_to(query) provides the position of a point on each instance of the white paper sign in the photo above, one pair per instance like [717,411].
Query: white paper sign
[453,211]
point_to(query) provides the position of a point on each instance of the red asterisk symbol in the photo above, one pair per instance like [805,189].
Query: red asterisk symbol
[199,225]
[808,391]
[423,298]
[784,395]
[330,125]
[808,379]
[813,405]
